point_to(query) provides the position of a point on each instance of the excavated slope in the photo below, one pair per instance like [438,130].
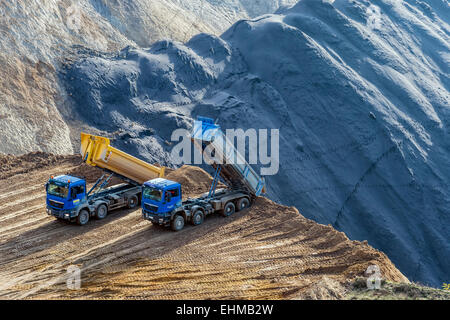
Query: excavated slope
[267,251]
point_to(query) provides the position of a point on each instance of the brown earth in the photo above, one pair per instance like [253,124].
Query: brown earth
[11,165]
[266,252]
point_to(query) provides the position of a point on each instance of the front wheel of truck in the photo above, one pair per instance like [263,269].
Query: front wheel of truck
[83,217]
[177,223]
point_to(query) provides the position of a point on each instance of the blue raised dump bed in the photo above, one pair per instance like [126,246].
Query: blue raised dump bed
[235,170]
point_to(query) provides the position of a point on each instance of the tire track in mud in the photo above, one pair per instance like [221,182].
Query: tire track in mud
[16,214]
[21,202]
[18,192]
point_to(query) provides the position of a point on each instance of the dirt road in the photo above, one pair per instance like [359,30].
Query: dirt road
[268,251]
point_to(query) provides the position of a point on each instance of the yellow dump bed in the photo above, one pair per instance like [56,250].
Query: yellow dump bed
[97,151]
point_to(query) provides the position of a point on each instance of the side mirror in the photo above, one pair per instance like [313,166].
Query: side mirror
[46,186]
[168,197]
[73,193]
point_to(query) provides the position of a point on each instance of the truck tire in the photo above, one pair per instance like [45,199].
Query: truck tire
[197,217]
[177,223]
[83,217]
[101,212]
[228,210]
[132,202]
[242,204]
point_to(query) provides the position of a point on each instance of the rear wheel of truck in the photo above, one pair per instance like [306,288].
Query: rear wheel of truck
[197,217]
[132,202]
[242,204]
[229,209]
[83,217]
[177,223]
[102,211]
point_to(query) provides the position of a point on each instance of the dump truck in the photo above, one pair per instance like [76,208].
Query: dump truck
[68,198]
[162,198]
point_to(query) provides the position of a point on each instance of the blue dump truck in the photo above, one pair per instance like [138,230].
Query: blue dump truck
[162,199]
[67,195]
[68,199]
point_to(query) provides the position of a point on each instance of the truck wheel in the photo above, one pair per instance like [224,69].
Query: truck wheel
[177,223]
[102,211]
[132,202]
[242,204]
[83,217]
[229,209]
[197,218]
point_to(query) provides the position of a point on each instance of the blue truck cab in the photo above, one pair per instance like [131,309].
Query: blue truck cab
[68,198]
[65,193]
[160,199]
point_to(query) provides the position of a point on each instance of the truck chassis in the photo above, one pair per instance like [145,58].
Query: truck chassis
[98,205]
[194,210]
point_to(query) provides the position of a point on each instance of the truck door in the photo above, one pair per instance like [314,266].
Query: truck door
[172,198]
[77,194]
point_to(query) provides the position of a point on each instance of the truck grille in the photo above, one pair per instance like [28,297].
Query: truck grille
[56,204]
[150,207]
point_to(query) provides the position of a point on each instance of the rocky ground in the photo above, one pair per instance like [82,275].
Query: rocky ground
[395,291]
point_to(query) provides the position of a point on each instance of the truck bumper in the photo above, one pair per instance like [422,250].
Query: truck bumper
[61,214]
[156,218]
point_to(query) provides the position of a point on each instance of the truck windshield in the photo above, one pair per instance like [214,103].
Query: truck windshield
[58,190]
[152,193]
